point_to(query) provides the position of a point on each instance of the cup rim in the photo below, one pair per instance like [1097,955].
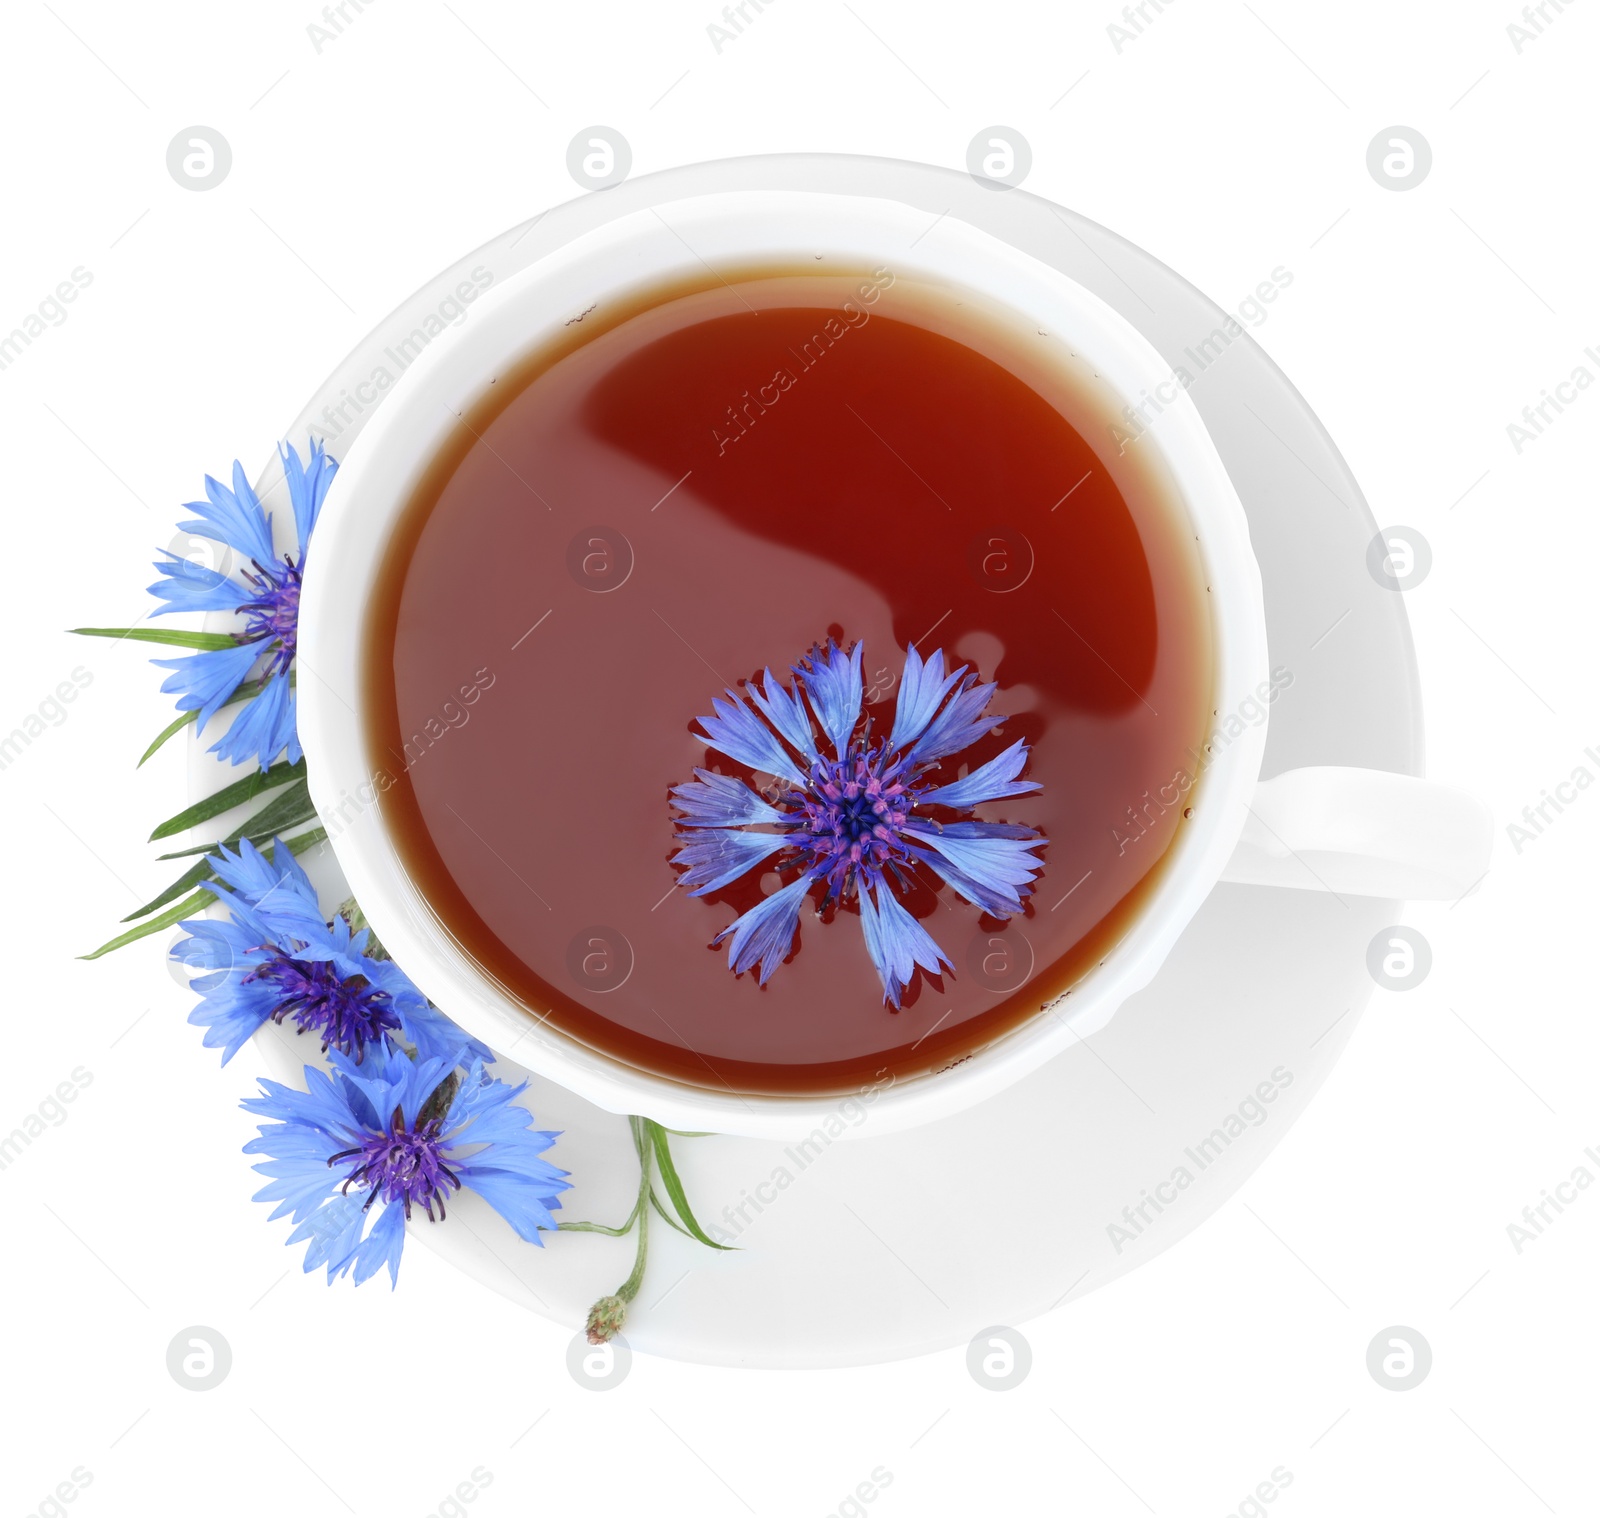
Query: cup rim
[376,480]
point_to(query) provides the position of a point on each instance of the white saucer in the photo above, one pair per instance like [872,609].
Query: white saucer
[883,1247]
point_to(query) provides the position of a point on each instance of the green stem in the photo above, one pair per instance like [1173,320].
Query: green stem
[651,1144]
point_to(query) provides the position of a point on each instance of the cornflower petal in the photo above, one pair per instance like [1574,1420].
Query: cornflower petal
[897,943]
[737,732]
[999,865]
[267,596]
[993,781]
[308,486]
[194,587]
[961,723]
[922,687]
[354,1144]
[711,800]
[233,517]
[252,876]
[205,680]
[716,856]
[784,709]
[832,680]
[995,903]
[381,1247]
[265,725]
[334,1230]
[764,933]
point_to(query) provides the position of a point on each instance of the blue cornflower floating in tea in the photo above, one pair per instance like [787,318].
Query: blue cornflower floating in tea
[268,598]
[853,813]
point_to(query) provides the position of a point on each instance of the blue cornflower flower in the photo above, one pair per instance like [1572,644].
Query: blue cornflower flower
[372,1141]
[275,956]
[855,820]
[268,599]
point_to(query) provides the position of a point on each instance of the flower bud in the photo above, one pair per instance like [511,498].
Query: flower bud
[606,1318]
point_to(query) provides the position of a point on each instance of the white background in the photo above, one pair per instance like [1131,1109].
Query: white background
[1227,139]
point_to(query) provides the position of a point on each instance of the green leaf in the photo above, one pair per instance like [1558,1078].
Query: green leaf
[288,809]
[173,635]
[177,725]
[187,881]
[669,1178]
[229,797]
[301,842]
[201,899]
[188,907]
[666,1217]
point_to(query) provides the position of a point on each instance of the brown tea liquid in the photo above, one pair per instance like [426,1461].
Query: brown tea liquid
[690,488]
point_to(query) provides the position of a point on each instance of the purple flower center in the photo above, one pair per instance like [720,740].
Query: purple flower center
[402,1165]
[348,1013]
[273,613]
[854,809]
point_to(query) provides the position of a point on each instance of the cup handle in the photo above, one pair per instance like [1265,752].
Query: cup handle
[1363,833]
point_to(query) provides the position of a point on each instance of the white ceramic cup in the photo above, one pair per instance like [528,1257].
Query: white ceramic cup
[1348,830]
